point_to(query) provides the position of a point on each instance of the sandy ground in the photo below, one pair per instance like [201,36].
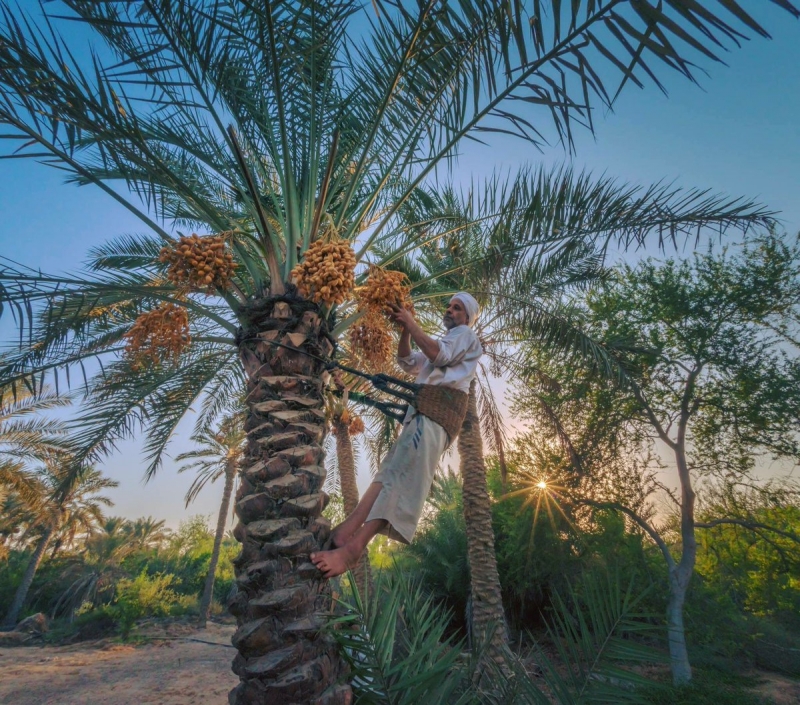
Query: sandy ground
[173,669]
[169,671]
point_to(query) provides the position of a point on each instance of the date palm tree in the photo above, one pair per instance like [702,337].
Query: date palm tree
[27,436]
[346,423]
[68,504]
[270,124]
[218,454]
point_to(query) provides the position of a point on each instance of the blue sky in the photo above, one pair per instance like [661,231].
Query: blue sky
[738,134]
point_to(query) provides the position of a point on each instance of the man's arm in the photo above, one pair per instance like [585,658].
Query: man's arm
[404,344]
[411,331]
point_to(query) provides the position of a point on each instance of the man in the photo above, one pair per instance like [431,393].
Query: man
[393,502]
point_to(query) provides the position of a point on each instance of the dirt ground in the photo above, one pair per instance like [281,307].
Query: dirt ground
[782,691]
[178,667]
[172,670]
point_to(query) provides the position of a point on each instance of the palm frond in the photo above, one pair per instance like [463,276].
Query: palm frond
[396,647]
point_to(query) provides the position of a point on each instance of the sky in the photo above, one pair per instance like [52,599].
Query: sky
[737,133]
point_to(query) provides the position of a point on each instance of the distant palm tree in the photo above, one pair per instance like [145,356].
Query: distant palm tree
[273,126]
[218,455]
[26,435]
[148,533]
[346,423]
[67,503]
[92,574]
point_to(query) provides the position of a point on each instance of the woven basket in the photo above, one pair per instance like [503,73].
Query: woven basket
[444,405]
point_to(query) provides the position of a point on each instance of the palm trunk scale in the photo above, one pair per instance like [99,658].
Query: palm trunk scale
[280,595]
[486,596]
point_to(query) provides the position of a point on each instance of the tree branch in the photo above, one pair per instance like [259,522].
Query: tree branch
[747,524]
[641,522]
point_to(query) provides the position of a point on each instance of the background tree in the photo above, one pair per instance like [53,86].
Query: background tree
[273,129]
[26,436]
[523,303]
[68,504]
[218,455]
[708,350]
[346,423]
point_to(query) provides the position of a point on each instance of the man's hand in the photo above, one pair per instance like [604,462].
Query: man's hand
[402,316]
[410,330]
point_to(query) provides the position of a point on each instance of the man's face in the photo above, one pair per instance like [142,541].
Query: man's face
[456,314]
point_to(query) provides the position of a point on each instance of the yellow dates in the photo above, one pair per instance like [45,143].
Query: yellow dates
[199,263]
[371,342]
[327,273]
[384,287]
[157,336]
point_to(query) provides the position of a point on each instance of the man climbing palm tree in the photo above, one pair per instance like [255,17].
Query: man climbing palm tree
[393,503]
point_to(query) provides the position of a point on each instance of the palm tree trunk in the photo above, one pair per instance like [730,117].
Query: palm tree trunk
[12,616]
[208,588]
[487,602]
[282,656]
[347,478]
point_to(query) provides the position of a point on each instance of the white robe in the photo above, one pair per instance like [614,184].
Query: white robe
[407,471]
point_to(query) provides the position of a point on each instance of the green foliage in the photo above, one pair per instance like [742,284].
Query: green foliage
[187,556]
[597,629]
[82,585]
[144,596]
[756,570]
[716,338]
[396,647]
[437,558]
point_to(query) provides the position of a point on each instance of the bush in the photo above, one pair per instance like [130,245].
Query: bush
[144,596]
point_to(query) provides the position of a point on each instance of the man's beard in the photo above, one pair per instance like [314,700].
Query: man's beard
[448,322]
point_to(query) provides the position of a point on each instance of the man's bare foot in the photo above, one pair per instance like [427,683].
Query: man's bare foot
[335,562]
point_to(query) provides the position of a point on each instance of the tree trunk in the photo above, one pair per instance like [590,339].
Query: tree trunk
[12,616]
[280,595]
[678,655]
[487,603]
[681,575]
[222,519]
[347,478]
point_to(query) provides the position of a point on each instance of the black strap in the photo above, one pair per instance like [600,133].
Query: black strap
[394,411]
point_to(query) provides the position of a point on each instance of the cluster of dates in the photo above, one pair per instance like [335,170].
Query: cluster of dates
[371,337]
[327,273]
[201,263]
[158,336]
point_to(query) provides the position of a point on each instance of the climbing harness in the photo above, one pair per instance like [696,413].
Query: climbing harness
[444,405]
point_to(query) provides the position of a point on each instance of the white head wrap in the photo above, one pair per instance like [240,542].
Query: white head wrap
[470,305]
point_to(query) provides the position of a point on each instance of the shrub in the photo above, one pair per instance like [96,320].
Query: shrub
[144,596]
